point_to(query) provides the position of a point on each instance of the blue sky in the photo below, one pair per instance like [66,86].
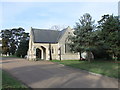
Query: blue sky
[46,14]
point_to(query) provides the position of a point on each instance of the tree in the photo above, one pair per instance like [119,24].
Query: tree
[99,49]
[17,35]
[11,39]
[5,47]
[22,48]
[83,39]
[109,26]
[12,47]
[5,35]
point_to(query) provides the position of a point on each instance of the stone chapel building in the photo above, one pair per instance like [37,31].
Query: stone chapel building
[50,44]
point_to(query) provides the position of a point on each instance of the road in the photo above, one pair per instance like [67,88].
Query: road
[45,74]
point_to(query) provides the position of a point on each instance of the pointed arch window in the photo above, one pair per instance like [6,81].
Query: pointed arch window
[67,46]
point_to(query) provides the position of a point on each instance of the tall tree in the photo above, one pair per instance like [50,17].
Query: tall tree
[109,26]
[22,48]
[5,47]
[83,39]
[5,35]
[17,35]
[11,39]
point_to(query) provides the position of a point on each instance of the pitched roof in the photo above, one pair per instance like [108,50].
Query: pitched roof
[46,35]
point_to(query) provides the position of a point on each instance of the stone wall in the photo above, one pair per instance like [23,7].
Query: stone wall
[70,57]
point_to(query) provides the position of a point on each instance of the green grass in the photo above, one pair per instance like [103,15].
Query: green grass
[10,82]
[106,68]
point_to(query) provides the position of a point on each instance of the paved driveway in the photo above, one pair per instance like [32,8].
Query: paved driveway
[44,74]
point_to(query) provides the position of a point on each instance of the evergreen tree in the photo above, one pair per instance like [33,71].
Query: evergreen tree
[5,35]
[109,26]
[83,39]
[22,48]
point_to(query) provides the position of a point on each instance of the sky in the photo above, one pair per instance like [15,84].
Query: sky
[44,15]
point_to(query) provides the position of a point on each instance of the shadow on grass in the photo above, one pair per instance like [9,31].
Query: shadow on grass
[100,67]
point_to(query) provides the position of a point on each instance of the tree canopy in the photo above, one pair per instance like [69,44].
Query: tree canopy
[83,39]
[109,27]
[103,39]
[11,39]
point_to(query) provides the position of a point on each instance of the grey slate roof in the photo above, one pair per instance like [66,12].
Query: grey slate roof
[46,36]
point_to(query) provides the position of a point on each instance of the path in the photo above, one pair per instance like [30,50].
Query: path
[44,74]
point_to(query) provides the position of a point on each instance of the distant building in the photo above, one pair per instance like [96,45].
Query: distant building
[50,44]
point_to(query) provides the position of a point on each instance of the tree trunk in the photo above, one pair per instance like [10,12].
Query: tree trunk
[80,55]
[89,56]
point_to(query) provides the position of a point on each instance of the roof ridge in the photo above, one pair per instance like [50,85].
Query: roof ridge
[45,29]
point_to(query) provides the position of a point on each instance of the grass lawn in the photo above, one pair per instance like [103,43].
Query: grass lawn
[10,82]
[106,68]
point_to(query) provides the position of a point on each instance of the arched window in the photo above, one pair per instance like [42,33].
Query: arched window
[67,46]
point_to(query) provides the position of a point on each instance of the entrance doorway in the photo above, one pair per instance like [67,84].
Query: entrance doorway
[38,53]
